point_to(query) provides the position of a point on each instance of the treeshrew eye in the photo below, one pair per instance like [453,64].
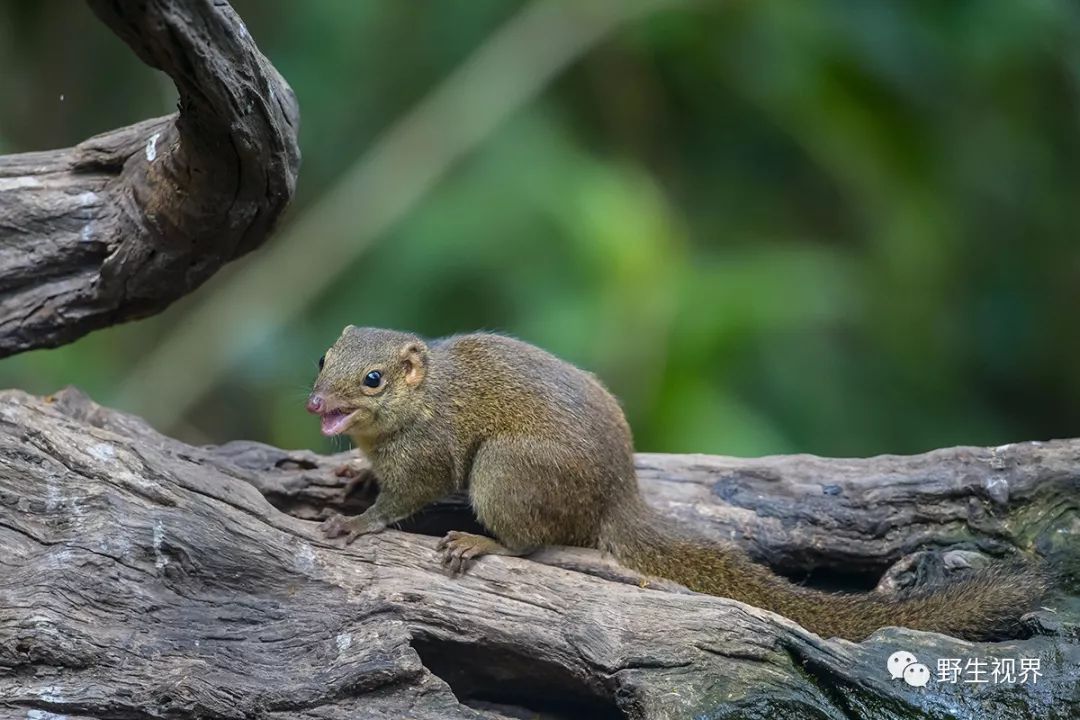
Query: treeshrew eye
[372,379]
[322,361]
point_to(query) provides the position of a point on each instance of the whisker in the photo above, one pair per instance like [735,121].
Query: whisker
[340,443]
[299,391]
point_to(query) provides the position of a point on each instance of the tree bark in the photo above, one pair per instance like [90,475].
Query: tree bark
[123,224]
[144,578]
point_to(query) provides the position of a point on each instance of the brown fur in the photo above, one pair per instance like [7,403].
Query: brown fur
[546,456]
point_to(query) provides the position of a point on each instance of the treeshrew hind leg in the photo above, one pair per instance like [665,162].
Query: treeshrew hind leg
[459,549]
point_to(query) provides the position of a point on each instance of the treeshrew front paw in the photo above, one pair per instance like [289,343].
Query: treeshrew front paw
[338,525]
[459,549]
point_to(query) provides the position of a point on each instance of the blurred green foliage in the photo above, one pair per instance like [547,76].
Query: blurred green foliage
[836,227]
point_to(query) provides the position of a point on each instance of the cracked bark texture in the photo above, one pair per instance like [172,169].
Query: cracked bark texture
[144,578]
[121,225]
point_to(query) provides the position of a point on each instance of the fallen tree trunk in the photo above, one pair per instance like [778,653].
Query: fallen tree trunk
[121,225]
[849,520]
[144,578]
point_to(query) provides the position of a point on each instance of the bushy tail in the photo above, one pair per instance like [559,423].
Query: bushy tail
[986,603]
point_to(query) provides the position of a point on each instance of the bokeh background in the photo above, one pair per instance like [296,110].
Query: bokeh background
[838,227]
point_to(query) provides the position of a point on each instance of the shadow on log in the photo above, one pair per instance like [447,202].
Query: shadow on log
[144,578]
[121,225]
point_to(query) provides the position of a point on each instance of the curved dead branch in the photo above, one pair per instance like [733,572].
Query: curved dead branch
[123,224]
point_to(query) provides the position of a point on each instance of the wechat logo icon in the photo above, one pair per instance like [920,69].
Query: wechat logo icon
[902,664]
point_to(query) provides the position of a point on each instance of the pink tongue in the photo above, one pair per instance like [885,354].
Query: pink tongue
[333,422]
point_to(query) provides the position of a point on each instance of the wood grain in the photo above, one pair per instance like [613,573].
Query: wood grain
[144,578]
[121,225]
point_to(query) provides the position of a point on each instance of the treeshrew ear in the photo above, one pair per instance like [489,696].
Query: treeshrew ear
[414,355]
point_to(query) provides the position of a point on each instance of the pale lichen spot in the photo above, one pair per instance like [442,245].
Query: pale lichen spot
[54,496]
[997,487]
[50,694]
[151,147]
[103,451]
[305,558]
[160,561]
[344,641]
[59,559]
[44,715]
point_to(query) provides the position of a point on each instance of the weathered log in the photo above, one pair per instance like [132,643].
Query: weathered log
[144,578]
[123,224]
[849,520]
